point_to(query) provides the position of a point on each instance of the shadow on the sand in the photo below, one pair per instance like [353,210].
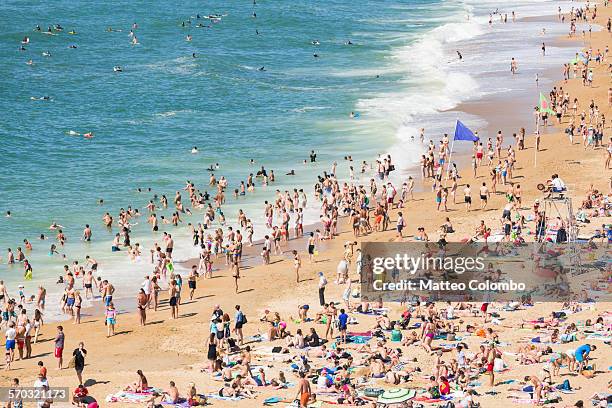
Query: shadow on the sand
[92,381]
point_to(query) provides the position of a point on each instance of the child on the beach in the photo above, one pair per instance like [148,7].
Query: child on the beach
[111,319]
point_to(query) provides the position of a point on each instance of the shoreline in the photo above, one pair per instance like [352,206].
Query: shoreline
[177,344]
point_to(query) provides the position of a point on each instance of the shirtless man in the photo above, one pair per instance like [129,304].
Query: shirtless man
[40,297]
[87,233]
[304,392]
[4,297]
[173,291]
[88,284]
[172,395]
[107,292]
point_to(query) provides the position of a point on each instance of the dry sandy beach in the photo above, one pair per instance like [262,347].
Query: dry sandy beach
[175,350]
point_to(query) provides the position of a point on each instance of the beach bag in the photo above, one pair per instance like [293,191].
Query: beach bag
[244,319]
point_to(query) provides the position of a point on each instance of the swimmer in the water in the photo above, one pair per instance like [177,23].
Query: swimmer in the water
[291,173]
[46,54]
[254,15]
[100,201]
[193,55]
[188,38]
[349,42]
[459,55]
[315,42]
[194,150]
[262,69]
[30,62]
[252,162]
[117,68]
[8,214]
[72,46]
[315,55]
[257,31]
[37,28]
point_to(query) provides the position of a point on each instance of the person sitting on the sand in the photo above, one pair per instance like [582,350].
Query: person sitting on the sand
[296,341]
[364,306]
[139,386]
[313,339]
[193,398]
[172,394]
[281,381]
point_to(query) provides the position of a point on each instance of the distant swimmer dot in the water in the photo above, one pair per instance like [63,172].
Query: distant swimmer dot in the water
[194,150]
[194,55]
[72,46]
[262,69]
[72,32]
[22,48]
[257,31]
[254,15]
[315,42]
[349,42]
[46,54]
[117,68]
[291,173]
[8,214]
[315,55]
[189,37]
[30,62]
[377,76]
[88,135]
[459,55]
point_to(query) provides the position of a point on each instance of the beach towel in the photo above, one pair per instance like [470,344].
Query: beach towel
[363,334]
[130,397]
[220,398]
[428,400]
[183,404]
[273,400]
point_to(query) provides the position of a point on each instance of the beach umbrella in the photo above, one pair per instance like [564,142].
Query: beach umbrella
[395,396]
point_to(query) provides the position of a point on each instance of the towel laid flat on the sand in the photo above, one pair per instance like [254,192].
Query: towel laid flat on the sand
[132,397]
[183,404]
[428,400]
[220,398]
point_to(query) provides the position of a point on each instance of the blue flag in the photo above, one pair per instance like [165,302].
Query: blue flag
[462,132]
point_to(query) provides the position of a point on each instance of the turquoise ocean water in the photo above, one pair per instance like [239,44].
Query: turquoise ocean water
[400,73]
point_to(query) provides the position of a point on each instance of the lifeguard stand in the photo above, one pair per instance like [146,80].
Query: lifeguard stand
[560,205]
